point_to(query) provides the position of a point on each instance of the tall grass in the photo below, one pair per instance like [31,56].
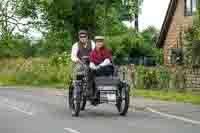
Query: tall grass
[34,72]
[186,97]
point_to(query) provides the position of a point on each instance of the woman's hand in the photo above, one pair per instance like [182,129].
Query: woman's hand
[93,66]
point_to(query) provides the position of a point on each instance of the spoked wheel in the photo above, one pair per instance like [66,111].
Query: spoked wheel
[123,102]
[74,102]
[83,103]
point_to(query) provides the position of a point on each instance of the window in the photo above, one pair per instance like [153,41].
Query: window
[175,56]
[194,7]
[190,7]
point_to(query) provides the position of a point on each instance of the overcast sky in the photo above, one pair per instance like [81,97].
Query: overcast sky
[153,13]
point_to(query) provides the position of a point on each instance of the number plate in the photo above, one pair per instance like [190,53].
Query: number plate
[111,97]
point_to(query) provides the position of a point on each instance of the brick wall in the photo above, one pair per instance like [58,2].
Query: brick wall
[180,23]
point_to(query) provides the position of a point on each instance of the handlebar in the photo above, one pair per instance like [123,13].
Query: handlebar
[85,59]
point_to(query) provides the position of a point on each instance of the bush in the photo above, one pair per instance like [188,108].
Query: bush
[53,43]
[134,44]
[164,77]
[152,78]
[192,42]
[125,45]
[35,71]
[147,78]
[140,72]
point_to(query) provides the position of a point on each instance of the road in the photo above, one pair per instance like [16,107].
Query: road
[28,111]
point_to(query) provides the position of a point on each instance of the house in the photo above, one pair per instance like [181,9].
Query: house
[178,19]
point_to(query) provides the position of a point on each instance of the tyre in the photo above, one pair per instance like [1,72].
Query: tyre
[70,97]
[123,102]
[83,103]
[74,102]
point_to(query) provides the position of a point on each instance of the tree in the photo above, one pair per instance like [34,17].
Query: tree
[10,19]
[150,36]
[192,42]
[76,14]
[130,11]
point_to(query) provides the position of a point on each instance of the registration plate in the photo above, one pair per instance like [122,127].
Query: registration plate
[111,97]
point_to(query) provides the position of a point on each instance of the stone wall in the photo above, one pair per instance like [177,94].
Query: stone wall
[192,78]
[179,77]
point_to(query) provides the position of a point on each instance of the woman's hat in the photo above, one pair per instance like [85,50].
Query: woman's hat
[99,38]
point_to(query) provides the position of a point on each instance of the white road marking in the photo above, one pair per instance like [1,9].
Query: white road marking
[71,130]
[174,116]
[6,102]
[20,110]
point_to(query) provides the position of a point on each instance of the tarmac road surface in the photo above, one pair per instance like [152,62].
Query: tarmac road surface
[36,111]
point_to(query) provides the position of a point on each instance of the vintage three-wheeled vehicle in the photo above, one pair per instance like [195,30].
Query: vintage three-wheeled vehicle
[108,89]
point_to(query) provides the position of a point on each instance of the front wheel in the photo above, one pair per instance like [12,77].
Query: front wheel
[74,101]
[83,103]
[123,101]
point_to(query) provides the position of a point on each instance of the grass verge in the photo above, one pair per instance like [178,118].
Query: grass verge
[37,72]
[31,87]
[186,97]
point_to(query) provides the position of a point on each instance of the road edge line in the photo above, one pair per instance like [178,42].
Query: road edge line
[71,130]
[173,116]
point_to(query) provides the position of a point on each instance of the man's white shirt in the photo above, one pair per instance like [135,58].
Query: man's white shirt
[75,49]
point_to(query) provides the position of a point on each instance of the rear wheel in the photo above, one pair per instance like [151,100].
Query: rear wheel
[123,102]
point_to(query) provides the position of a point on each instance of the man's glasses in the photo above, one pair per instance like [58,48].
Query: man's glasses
[82,36]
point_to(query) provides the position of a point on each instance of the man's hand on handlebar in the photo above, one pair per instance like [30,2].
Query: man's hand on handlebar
[79,61]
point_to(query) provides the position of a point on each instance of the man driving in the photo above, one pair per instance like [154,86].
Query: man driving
[81,49]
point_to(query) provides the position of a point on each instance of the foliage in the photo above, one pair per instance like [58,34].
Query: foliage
[60,20]
[192,42]
[152,77]
[53,43]
[71,15]
[135,44]
[10,19]
[125,44]
[158,54]
[164,77]
[63,58]
[40,71]
[159,78]
[150,35]
[113,24]
[130,9]
[188,39]
[147,78]
[16,46]
[168,95]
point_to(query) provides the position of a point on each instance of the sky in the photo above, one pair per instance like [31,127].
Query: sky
[153,13]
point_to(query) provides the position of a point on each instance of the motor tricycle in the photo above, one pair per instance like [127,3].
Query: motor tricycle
[107,89]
